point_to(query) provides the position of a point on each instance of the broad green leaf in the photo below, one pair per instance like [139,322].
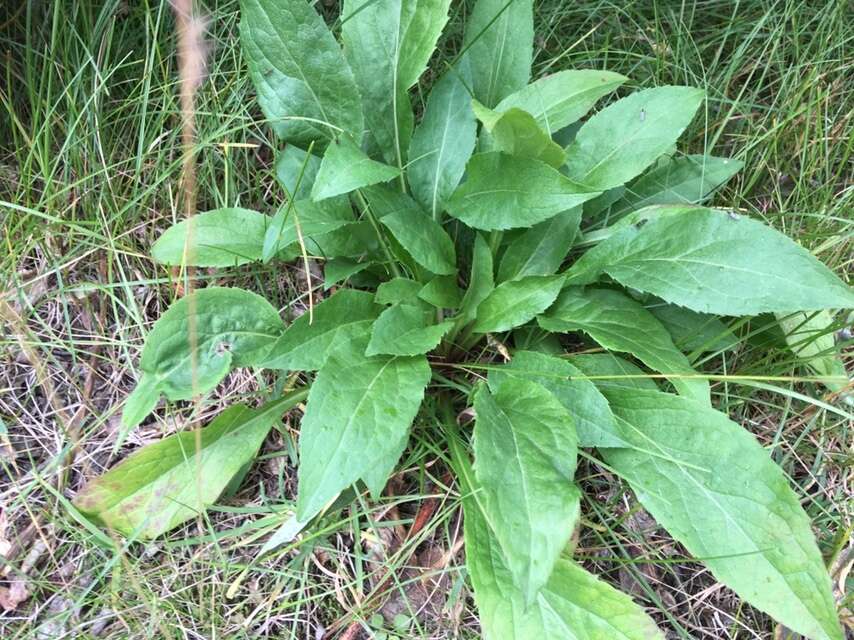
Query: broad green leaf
[687,180]
[353,424]
[313,218]
[515,302]
[714,262]
[579,396]
[608,370]
[619,323]
[525,452]
[717,491]
[517,133]
[561,98]
[197,341]
[481,281]
[572,605]
[810,337]
[623,139]
[442,143]
[388,44]
[398,290]
[340,269]
[692,331]
[340,319]
[442,292]
[218,238]
[304,84]
[540,250]
[506,192]
[531,337]
[345,168]
[422,237]
[499,45]
[351,240]
[296,171]
[166,483]
[406,330]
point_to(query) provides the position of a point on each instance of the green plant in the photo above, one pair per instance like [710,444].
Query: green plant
[500,208]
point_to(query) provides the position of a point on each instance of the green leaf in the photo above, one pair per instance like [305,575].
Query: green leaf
[351,240]
[619,323]
[353,425]
[171,481]
[398,290]
[561,98]
[714,262]
[339,320]
[687,180]
[481,282]
[515,302]
[442,292]
[304,84]
[340,269]
[692,331]
[197,341]
[810,337]
[296,171]
[540,250]
[218,238]
[422,237]
[607,370]
[579,396]
[623,139]
[345,168]
[405,330]
[525,453]
[388,44]
[499,45]
[573,603]
[442,143]
[506,192]
[717,491]
[314,219]
[517,133]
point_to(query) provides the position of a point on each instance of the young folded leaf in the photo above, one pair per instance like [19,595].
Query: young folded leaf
[619,323]
[352,424]
[218,238]
[525,450]
[717,491]
[499,46]
[230,328]
[508,192]
[593,419]
[622,140]
[572,604]
[714,261]
[443,142]
[406,330]
[515,302]
[560,99]
[345,168]
[517,133]
[305,86]
[166,483]
[345,317]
